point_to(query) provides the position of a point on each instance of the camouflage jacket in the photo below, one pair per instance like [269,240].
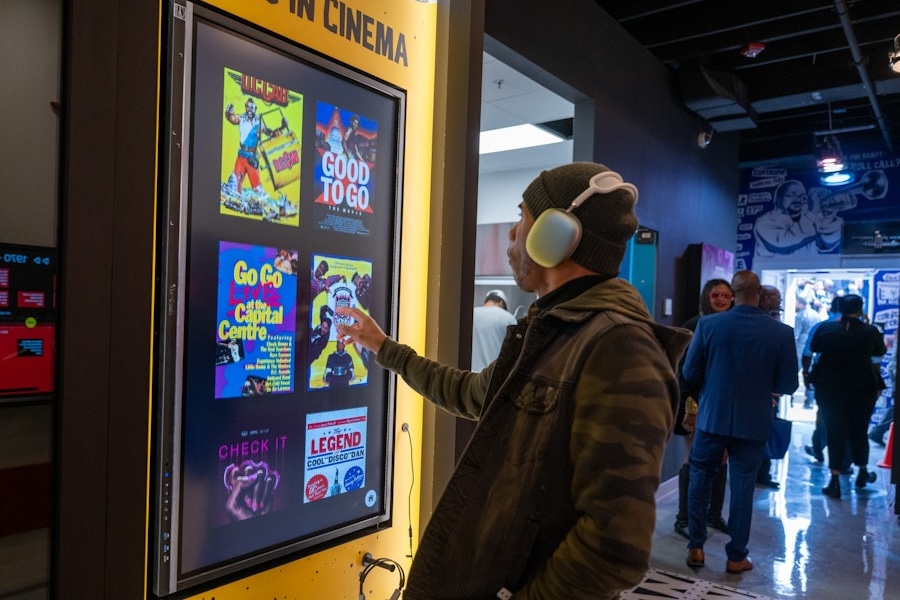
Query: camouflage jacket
[554,495]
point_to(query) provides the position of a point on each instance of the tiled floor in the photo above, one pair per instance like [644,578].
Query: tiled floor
[803,544]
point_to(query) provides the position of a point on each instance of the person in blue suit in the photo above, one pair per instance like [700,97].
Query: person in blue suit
[740,360]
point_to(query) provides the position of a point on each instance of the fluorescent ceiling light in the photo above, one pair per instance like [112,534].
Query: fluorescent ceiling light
[514,138]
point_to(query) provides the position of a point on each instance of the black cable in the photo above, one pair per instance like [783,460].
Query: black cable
[412,469]
[384,563]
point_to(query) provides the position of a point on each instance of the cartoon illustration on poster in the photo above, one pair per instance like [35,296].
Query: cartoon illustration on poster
[346,144]
[885,311]
[789,213]
[335,453]
[250,468]
[260,150]
[256,320]
[336,281]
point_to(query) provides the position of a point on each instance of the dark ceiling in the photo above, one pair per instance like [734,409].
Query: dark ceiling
[824,68]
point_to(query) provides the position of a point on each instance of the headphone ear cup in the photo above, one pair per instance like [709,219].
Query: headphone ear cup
[553,237]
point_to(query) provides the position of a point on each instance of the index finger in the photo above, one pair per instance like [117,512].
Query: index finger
[349,310]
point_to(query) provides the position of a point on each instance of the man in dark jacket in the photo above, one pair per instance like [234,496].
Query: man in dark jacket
[740,359]
[554,496]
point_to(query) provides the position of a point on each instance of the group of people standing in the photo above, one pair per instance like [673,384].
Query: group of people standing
[740,362]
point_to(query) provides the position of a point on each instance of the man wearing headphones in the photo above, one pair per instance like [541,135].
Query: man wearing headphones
[554,496]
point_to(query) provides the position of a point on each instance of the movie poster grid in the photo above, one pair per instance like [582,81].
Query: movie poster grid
[335,453]
[337,281]
[261,125]
[255,320]
[346,145]
[251,465]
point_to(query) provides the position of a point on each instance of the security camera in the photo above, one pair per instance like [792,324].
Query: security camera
[703,140]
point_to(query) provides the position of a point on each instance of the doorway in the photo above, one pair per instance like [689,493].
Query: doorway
[880,291]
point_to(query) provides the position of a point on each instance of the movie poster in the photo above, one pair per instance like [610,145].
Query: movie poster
[251,465]
[256,320]
[335,453]
[337,281]
[261,129]
[885,316]
[346,144]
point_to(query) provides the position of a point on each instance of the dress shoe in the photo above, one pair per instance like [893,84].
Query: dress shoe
[696,558]
[718,523]
[736,567]
[864,477]
[769,483]
[816,455]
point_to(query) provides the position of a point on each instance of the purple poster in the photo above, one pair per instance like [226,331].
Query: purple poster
[715,263]
[256,320]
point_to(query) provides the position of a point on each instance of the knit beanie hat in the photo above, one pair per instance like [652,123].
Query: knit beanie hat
[607,220]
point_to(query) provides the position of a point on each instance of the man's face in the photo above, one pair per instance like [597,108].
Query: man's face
[340,346]
[793,199]
[527,274]
[770,301]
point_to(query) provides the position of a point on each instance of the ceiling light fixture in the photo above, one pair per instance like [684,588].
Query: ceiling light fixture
[752,49]
[894,57]
[829,157]
[515,138]
[839,178]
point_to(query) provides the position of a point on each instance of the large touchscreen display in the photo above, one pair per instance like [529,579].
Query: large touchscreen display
[283,207]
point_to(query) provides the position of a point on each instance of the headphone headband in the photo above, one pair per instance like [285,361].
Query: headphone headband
[603,183]
[556,233]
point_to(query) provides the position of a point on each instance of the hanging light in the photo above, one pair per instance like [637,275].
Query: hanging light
[838,178]
[829,157]
[894,57]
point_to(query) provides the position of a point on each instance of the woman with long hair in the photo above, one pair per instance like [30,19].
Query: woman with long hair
[715,297]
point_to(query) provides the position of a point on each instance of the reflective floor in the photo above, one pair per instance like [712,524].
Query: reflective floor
[803,544]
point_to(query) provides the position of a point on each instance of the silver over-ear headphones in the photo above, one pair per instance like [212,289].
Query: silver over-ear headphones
[556,232]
